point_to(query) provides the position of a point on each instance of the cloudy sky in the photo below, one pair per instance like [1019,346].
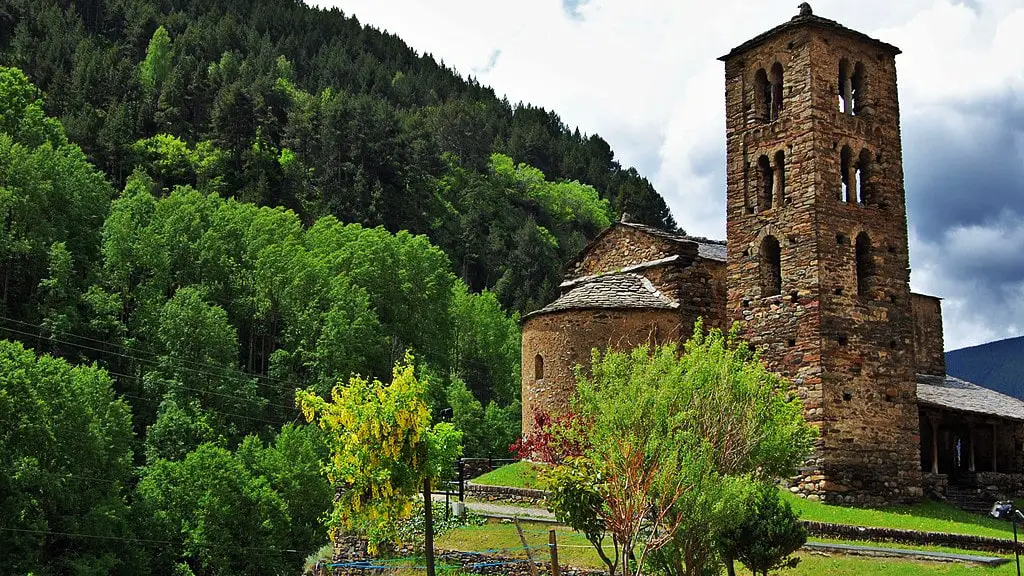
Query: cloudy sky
[643,74]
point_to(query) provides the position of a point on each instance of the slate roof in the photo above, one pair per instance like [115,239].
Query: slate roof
[708,249]
[612,291]
[809,20]
[956,394]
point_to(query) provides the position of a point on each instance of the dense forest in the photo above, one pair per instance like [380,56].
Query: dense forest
[211,204]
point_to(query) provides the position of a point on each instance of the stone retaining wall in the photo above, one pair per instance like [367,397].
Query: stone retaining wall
[505,494]
[961,541]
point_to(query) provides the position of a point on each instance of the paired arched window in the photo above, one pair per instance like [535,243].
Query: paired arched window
[857,185]
[771,267]
[771,180]
[768,92]
[852,88]
[865,264]
[538,367]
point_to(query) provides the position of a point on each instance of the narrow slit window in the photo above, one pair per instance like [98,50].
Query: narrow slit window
[865,264]
[771,267]
[767,180]
[538,367]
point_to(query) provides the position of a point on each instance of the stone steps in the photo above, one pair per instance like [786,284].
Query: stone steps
[969,499]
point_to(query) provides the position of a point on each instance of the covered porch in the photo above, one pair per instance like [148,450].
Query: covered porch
[971,437]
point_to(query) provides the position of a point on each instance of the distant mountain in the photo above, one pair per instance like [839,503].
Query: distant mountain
[997,365]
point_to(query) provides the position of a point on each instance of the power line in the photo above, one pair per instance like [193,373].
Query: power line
[285,386]
[153,541]
[210,392]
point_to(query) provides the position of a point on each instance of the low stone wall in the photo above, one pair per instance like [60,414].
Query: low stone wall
[1002,485]
[961,541]
[505,494]
[934,484]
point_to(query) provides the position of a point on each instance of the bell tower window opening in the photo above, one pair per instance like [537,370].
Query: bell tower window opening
[538,367]
[845,87]
[780,174]
[865,264]
[858,83]
[846,169]
[763,95]
[775,91]
[766,179]
[771,267]
[864,188]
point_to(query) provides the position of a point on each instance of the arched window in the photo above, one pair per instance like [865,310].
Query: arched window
[858,83]
[865,264]
[780,175]
[538,367]
[763,95]
[766,177]
[864,187]
[776,91]
[846,168]
[771,267]
[845,87]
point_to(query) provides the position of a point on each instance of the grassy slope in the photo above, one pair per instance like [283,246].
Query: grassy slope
[927,516]
[574,550]
[516,475]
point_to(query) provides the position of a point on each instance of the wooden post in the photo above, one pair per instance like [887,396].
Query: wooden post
[553,543]
[995,449]
[428,521]
[972,448]
[529,555]
[935,446]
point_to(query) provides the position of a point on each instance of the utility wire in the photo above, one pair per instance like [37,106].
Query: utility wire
[284,386]
[210,392]
[153,541]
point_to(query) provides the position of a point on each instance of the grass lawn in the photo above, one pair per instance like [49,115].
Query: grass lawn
[927,516]
[515,475]
[574,550]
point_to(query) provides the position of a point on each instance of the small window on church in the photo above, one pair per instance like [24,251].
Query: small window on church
[766,177]
[865,264]
[538,367]
[864,187]
[763,96]
[771,267]
[780,175]
[846,168]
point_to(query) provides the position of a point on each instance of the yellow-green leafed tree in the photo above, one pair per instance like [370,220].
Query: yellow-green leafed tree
[382,447]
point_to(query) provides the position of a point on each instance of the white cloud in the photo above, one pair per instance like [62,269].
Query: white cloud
[644,75]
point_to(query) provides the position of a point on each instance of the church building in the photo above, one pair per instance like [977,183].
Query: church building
[816,268]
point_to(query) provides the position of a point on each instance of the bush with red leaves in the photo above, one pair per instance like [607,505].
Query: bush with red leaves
[554,439]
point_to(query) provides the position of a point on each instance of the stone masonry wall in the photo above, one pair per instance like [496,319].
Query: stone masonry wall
[929,357]
[565,339]
[849,354]
[623,246]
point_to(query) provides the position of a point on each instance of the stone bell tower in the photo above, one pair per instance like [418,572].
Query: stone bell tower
[818,267]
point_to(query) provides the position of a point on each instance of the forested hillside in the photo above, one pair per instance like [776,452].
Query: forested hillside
[209,205]
[996,365]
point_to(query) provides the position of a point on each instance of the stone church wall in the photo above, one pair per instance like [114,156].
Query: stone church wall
[623,246]
[929,357]
[564,339]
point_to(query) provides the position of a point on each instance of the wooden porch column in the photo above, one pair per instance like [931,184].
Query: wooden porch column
[935,445]
[971,452]
[995,449]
